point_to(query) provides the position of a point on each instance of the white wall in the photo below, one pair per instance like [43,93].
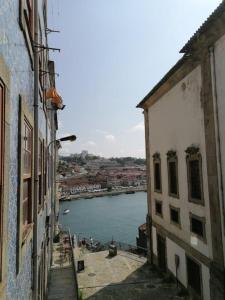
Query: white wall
[176,121]
[173,249]
[220,89]
[154,240]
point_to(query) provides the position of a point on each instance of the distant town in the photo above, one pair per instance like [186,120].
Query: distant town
[87,175]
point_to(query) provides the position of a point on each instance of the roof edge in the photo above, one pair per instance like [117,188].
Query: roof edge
[178,64]
[204,27]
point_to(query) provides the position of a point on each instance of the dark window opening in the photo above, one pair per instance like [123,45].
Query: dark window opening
[158,208]
[173,177]
[195,179]
[194,276]
[157,176]
[174,215]
[27,176]
[197,226]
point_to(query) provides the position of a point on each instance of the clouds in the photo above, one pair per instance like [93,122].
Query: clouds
[91,143]
[110,138]
[138,127]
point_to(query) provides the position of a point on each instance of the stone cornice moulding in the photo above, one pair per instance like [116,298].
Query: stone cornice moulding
[156,156]
[171,154]
[192,150]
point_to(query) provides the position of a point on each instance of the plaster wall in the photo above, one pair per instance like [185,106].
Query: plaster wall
[172,250]
[154,240]
[13,52]
[176,121]
[219,52]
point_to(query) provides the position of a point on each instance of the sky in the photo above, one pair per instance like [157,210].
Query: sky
[112,54]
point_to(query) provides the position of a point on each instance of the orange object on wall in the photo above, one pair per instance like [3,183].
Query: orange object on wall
[55,97]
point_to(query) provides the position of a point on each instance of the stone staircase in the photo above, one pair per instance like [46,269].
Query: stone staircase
[62,286]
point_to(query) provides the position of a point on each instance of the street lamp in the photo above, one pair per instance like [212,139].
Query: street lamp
[70,138]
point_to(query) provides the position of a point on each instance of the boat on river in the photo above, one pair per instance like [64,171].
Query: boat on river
[130,192]
[66,211]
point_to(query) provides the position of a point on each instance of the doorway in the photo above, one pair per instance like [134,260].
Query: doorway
[194,277]
[161,251]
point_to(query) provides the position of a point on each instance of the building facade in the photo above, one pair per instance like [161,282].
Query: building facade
[185,146]
[17,143]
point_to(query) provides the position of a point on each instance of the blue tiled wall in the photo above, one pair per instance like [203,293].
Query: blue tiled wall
[14,52]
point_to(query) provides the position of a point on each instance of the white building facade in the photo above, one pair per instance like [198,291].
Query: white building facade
[185,150]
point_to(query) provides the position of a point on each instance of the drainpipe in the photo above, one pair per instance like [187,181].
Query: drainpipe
[149,203]
[52,147]
[36,104]
[217,131]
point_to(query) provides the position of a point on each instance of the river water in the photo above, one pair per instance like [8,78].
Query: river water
[105,217]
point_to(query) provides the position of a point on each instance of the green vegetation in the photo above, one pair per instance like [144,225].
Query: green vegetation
[80,295]
[128,160]
[78,159]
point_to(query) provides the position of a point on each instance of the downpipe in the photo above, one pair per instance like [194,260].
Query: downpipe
[36,137]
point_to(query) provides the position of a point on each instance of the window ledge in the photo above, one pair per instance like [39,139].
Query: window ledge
[174,196]
[199,237]
[178,225]
[197,201]
[158,191]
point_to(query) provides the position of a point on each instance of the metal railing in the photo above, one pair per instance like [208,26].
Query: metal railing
[95,245]
[66,230]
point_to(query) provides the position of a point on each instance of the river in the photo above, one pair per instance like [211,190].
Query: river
[105,217]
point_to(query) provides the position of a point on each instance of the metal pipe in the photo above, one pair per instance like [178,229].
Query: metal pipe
[53,138]
[36,137]
[149,199]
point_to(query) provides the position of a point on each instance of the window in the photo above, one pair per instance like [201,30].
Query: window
[175,215]
[172,173]
[27,176]
[194,175]
[194,276]
[158,208]
[26,21]
[2,143]
[198,226]
[157,172]
[45,171]
[30,15]
[40,170]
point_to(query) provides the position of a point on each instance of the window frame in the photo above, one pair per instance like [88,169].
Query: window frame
[40,174]
[203,221]
[179,219]
[27,177]
[23,239]
[5,83]
[172,157]
[26,23]
[193,154]
[157,160]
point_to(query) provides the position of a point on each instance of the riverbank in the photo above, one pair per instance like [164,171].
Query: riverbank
[105,193]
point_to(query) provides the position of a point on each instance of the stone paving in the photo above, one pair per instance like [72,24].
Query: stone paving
[62,281]
[123,277]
